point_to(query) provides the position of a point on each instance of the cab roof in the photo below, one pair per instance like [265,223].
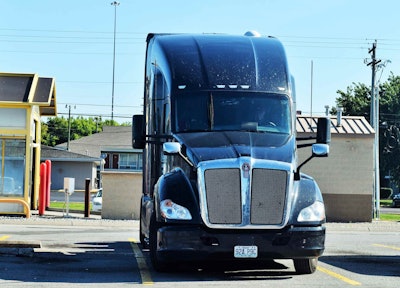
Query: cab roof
[217,61]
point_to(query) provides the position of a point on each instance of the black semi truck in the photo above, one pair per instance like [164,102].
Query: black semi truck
[221,178]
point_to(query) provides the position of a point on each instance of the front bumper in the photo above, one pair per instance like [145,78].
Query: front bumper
[188,243]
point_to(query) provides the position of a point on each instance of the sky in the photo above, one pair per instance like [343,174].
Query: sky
[326,43]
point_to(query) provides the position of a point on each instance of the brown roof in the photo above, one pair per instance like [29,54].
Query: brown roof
[348,125]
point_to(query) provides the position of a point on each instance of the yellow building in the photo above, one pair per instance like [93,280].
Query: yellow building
[24,98]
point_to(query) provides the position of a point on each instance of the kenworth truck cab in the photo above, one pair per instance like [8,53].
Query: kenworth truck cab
[221,178]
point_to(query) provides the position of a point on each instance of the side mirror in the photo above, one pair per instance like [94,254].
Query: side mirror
[324,131]
[138,132]
[320,150]
[171,148]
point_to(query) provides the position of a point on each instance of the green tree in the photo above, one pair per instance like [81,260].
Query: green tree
[47,138]
[356,102]
[81,127]
[110,123]
[55,130]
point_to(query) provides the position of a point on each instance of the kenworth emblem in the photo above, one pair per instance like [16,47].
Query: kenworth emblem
[246,170]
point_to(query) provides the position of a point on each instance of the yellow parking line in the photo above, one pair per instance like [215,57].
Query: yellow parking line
[386,246]
[143,269]
[338,276]
[5,237]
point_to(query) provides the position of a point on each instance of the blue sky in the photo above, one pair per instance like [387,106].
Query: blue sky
[72,41]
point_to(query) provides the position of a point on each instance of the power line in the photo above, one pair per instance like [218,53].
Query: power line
[71,42]
[66,52]
[88,35]
[291,39]
[71,31]
[100,105]
[69,37]
[96,115]
[310,42]
[99,82]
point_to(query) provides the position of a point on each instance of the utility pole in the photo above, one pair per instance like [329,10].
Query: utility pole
[374,120]
[115,4]
[69,124]
[373,64]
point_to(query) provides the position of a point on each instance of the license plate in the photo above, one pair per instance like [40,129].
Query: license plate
[245,252]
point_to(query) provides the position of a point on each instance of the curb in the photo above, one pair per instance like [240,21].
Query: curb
[72,211]
[374,226]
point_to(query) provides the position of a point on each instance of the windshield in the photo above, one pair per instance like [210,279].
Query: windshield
[227,111]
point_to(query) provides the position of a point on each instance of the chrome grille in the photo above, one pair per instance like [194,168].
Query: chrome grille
[244,198]
[223,196]
[268,194]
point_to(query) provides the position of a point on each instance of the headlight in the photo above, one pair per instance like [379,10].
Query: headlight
[314,212]
[171,210]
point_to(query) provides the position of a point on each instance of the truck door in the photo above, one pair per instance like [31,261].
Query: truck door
[159,115]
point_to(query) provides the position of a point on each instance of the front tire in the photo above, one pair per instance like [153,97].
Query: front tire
[305,266]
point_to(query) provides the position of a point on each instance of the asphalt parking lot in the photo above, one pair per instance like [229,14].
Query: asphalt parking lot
[59,251]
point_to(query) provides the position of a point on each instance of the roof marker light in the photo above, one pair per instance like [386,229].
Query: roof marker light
[181,87]
[245,86]
[281,88]
[252,33]
[221,86]
[233,86]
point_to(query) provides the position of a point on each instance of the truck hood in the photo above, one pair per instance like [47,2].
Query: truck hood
[204,146]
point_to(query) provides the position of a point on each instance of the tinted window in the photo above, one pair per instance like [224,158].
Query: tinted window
[227,111]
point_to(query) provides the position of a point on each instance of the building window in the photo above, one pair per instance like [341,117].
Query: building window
[130,161]
[111,161]
[125,161]
[12,167]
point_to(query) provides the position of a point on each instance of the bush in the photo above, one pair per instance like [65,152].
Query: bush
[386,193]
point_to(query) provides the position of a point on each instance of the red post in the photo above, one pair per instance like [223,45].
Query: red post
[48,182]
[42,189]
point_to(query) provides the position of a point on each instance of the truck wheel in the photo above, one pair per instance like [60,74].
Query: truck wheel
[305,266]
[158,265]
